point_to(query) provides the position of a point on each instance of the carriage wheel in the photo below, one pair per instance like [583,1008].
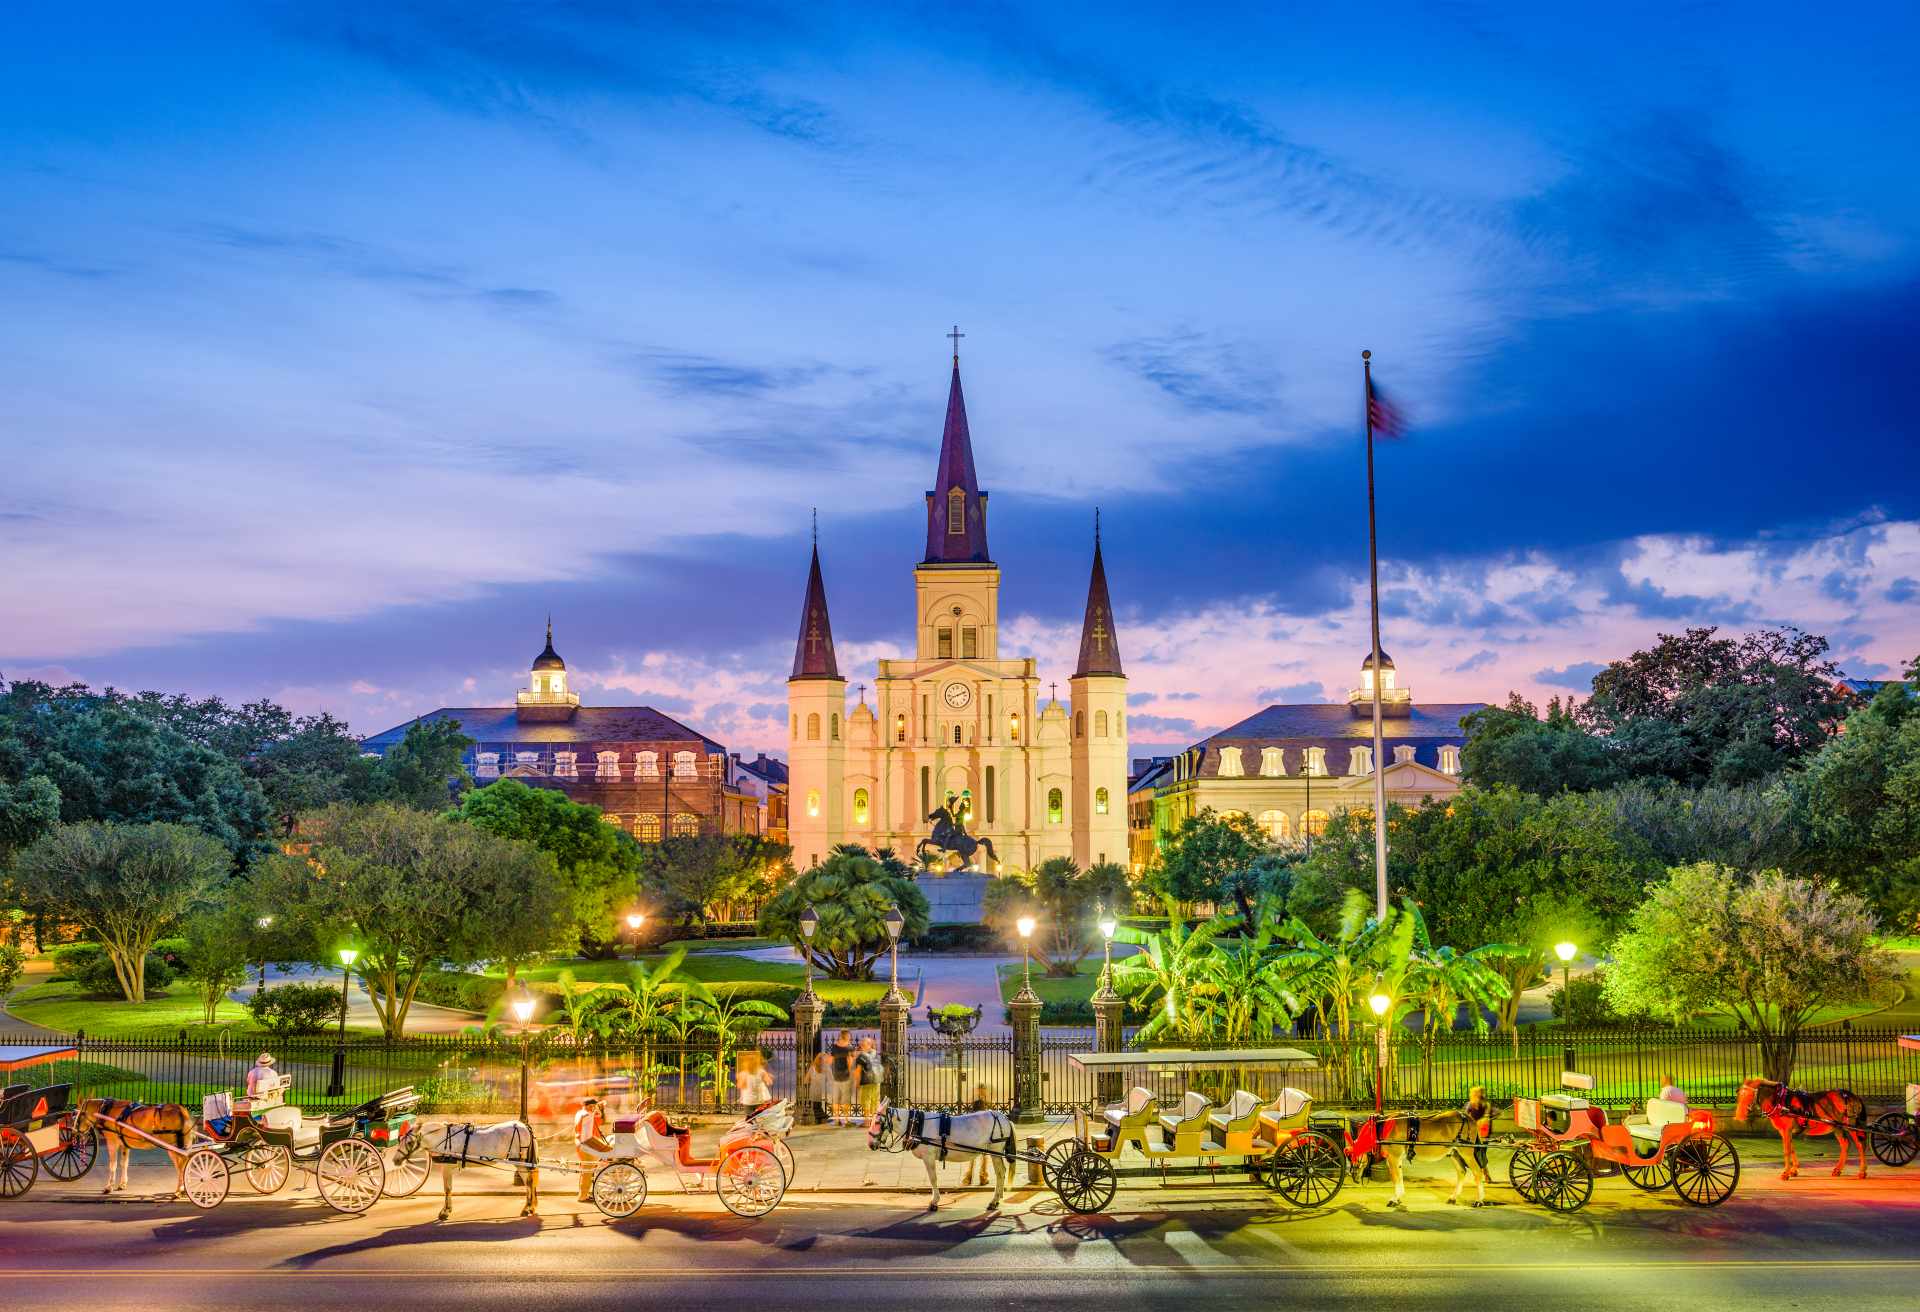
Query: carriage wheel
[1523,1169]
[1307,1170]
[1705,1170]
[1653,1177]
[619,1188]
[784,1154]
[75,1155]
[350,1175]
[1563,1183]
[1087,1182]
[269,1167]
[18,1166]
[749,1181]
[408,1166]
[1056,1157]
[206,1178]
[1895,1141]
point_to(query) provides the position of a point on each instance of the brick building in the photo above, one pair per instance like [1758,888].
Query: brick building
[649,773]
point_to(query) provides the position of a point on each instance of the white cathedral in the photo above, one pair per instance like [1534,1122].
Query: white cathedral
[958,726]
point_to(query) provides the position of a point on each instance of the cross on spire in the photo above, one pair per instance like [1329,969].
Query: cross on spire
[860,690]
[1053,690]
[816,527]
[956,335]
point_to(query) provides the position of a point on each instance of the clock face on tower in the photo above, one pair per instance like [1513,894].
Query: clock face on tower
[958,695]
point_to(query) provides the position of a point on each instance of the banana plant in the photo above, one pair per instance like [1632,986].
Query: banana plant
[1170,970]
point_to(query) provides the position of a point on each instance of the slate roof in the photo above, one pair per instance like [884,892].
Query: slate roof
[770,768]
[956,470]
[1294,728]
[590,724]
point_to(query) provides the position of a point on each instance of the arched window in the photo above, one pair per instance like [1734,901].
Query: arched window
[813,801]
[989,792]
[900,727]
[1079,724]
[813,726]
[646,765]
[834,731]
[860,806]
[1274,825]
[1313,823]
[1273,763]
[1230,766]
[1099,801]
[646,828]
[606,765]
[487,765]
[1403,755]
[1450,760]
[1099,724]
[683,765]
[686,825]
[956,511]
[1013,728]
[1056,806]
[956,735]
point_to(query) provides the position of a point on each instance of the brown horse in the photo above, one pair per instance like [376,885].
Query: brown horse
[1396,1137]
[163,1120]
[1839,1112]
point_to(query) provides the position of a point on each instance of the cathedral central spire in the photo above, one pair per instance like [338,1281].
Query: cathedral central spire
[956,507]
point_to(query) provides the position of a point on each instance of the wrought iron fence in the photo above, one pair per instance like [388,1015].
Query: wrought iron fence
[952,1074]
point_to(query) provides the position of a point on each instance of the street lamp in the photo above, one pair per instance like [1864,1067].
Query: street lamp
[635,919]
[263,925]
[1566,952]
[1025,926]
[1109,923]
[1380,1002]
[895,922]
[523,1012]
[337,1086]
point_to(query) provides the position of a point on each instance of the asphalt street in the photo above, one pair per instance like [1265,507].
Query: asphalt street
[1815,1242]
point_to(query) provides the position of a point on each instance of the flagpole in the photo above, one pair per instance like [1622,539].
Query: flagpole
[1373,583]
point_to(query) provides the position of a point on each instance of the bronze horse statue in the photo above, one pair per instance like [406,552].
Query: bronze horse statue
[950,835]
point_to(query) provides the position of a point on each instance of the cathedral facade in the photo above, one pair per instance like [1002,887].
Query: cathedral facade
[957,726]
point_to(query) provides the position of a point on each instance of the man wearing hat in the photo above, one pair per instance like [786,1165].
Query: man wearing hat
[590,1143]
[262,1073]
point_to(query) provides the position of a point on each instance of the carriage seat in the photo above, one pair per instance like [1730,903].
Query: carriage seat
[1661,1112]
[1578,1085]
[1179,1133]
[1232,1126]
[1138,1101]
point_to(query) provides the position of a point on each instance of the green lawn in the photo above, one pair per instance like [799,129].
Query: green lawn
[59,1005]
[716,968]
[1079,988]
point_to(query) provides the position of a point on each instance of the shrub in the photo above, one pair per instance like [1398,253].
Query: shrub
[295,1008]
[173,951]
[1590,1005]
[70,960]
[461,989]
[96,977]
[13,963]
[960,938]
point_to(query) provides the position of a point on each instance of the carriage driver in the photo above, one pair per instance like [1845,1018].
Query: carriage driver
[589,1141]
[261,1073]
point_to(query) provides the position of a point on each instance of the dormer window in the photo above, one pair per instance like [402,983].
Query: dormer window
[1450,760]
[1360,761]
[1230,767]
[606,765]
[486,765]
[683,763]
[564,767]
[956,511]
[1273,763]
[1317,762]
[646,765]
[1403,755]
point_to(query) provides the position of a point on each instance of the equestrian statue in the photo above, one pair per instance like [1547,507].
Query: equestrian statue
[950,835]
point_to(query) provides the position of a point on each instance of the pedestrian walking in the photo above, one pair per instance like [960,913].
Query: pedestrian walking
[840,1056]
[819,1087]
[868,1070]
[752,1083]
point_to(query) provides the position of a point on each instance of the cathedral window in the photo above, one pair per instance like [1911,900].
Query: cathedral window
[860,806]
[1403,755]
[1100,801]
[646,765]
[989,794]
[1079,724]
[1360,761]
[943,643]
[969,642]
[1013,728]
[813,801]
[686,825]
[900,727]
[956,735]
[646,828]
[564,767]
[813,726]
[487,765]
[1450,760]
[683,765]
[1056,806]
[956,511]
[1273,764]
[1316,763]
[1230,767]
[1099,724]
[1274,825]
[833,731]
[606,765]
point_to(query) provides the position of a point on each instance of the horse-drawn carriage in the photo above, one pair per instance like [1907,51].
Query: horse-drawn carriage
[750,1167]
[37,1132]
[1566,1141]
[355,1156]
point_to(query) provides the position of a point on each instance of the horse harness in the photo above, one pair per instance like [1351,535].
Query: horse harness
[941,1123]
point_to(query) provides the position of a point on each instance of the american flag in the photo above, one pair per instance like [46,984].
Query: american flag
[1383,416]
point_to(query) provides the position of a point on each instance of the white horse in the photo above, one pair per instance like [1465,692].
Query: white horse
[930,1136]
[457,1145]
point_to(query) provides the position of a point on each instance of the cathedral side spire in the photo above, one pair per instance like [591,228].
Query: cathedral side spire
[1099,644]
[813,650]
[956,507]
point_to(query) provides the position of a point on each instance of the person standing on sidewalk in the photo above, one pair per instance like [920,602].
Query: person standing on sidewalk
[590,1144]
[841,1057]
[868,1069]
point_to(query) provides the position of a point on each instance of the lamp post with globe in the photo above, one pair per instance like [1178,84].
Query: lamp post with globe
[1109,1029]
[1025,1013]
[635,919]
[337,1085]
[1380,1003]
[806,1011]
[523,1012]
[894,1014]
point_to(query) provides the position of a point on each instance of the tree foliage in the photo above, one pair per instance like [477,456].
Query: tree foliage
[1860,802]
[851,892]
[1204,854]
[218,948]
[1065,901]
[411,890]
[1512,745]
[126,885]
[1768,949]
[686,879]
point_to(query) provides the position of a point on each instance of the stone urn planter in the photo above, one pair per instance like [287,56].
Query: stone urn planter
[955,1023]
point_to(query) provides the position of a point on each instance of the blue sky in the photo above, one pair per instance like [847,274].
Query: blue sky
[345,341]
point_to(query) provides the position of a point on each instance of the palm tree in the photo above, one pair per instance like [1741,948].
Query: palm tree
[1438,979]
[1246,995]
[1171,970]
[1336,975]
